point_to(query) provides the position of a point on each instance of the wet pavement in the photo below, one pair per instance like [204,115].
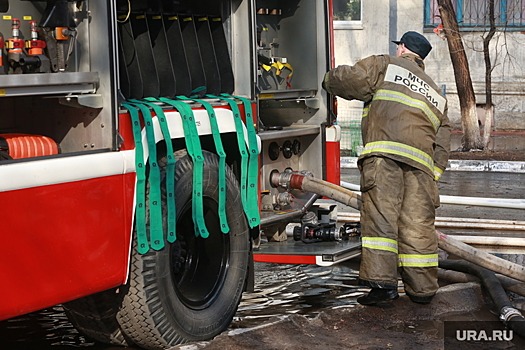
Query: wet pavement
[283,290]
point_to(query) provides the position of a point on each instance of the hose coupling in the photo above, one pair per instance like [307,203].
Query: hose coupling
[283,199]
[508,312]
[278,179]
[288,179]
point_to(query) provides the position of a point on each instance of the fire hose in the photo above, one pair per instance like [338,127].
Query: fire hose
[508,283]
[308,183]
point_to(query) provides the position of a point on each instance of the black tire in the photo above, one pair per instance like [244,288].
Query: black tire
[190,290]
[95,317]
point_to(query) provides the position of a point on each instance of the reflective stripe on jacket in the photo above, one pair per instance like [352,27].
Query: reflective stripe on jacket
[405,116]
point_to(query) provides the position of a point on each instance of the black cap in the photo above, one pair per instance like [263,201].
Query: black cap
[416,43]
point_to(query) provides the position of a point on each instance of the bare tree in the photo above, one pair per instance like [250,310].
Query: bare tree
[488,75]
[467,100]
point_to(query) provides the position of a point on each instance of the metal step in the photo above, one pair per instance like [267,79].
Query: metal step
[297,252]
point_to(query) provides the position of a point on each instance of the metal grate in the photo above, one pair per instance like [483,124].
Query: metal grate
[351,139]
[474,14]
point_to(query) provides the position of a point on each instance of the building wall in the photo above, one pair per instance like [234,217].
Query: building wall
[386,20]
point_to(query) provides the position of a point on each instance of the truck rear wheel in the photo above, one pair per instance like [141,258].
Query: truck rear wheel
[190,290]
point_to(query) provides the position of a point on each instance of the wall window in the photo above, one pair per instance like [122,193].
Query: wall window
[474,14]
[347,14]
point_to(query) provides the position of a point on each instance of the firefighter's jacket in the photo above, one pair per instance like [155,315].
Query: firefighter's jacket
[405,116]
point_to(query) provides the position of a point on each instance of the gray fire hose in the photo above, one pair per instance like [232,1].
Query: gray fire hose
[306,182]
[481,258]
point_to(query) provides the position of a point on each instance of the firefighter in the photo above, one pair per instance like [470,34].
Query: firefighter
[406,138]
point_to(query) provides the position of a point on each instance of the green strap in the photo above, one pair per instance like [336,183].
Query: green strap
[193,145]
[191,133]
[156,232]
[140,211]
[170,171]
[248,208]
[222,163]
[242,148]
[253,162]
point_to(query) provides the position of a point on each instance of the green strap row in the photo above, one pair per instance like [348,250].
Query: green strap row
[250,204]
[225,228]
[140,167]
[249,167]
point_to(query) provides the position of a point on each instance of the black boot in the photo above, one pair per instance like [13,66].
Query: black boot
[378,296]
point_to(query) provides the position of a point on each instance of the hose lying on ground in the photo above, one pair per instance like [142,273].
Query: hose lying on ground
[511,316]
[508,283]
[480,258]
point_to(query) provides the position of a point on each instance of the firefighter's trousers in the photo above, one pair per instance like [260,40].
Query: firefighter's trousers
[397,227]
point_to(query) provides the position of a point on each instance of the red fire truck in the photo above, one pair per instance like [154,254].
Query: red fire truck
[137,139]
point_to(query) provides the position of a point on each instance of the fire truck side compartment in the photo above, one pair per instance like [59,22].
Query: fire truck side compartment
[76,108]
